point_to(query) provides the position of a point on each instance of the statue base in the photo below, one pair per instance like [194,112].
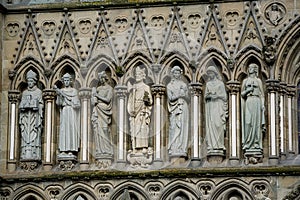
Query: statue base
[178,158]
[234,161]
[140,157]
[195,162]
[253,156]
[273,160]
[215,156]
[66,161]
[29,165]
[11,166]
[47,167]
[104,161]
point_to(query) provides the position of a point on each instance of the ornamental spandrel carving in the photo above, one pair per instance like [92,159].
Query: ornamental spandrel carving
[48,27]
[157,21]
[121,23]
[275,13]
[232,17]
[85,25]
[12,29]
[194,20]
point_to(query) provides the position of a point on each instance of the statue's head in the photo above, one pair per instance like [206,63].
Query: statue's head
[253,68]
[140,73]
[212,71]
[67,79]
[31,75]
[176,68]
[102,76]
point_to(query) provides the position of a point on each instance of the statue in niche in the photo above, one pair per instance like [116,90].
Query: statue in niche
[178,95]
[101,117]
[216,110]
[139,109]
[253,120]
[69,134]
[31,119]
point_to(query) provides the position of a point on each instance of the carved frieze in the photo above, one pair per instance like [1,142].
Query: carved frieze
[12,28]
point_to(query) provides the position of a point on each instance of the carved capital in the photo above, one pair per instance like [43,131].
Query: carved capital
[84,93]
[121,91]
[49,94]
[272,85]
[233,86]
[13,96]
[283,88]
[291,90]
[196,89]
[158,90]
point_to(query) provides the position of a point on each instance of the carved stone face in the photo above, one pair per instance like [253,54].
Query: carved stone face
[176,74]
[30,82]
[67,82]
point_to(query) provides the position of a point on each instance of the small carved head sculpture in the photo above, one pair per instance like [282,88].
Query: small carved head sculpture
[176,72]
[213,70]
[140,73]
[102,77]
[67,79]
[31,78]
[253,68]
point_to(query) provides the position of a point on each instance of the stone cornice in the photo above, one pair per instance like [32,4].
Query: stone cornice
[155,174]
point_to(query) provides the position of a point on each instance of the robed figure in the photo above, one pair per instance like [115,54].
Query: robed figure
[68,101]
[253,119]
[31,119]
[216,110]
[101,116]
[139,109]
[178,96]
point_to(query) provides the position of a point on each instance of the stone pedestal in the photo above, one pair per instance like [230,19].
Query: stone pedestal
[195,162]
[140,158]
[234,161]
[253,156]
[66,161]
[273,160]
[178,159]
[158,164]
[47,167]
[11,166]
[215,156]
[104,161]
[29,165]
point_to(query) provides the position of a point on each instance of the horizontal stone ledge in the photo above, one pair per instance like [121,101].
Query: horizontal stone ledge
[153,174]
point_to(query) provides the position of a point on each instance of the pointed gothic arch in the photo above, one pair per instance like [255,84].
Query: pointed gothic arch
[179,189]
[133,190]
[79,191]
[19,80]
[101,64]
[66,65]
[232,188]
[29,192]
[175,59]
[212,59]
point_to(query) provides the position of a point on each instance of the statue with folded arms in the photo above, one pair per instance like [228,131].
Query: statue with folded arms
[31,119]
[68,101]
[178,96]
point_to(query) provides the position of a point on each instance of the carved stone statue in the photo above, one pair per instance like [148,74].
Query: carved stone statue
[101,117]
[31,119]
[275,13]
[216,109]
[178,96]
[69,134]
[139,109]
[253,119]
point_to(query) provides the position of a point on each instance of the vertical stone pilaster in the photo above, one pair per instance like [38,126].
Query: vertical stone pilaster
[13,97]
[291,92]
[273,88]
[85,96]
[158,91]
[234,122]
[283,120]
[121,92]
[49,129]
[196,118]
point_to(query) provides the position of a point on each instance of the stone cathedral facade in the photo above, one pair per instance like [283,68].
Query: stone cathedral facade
[150,100]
